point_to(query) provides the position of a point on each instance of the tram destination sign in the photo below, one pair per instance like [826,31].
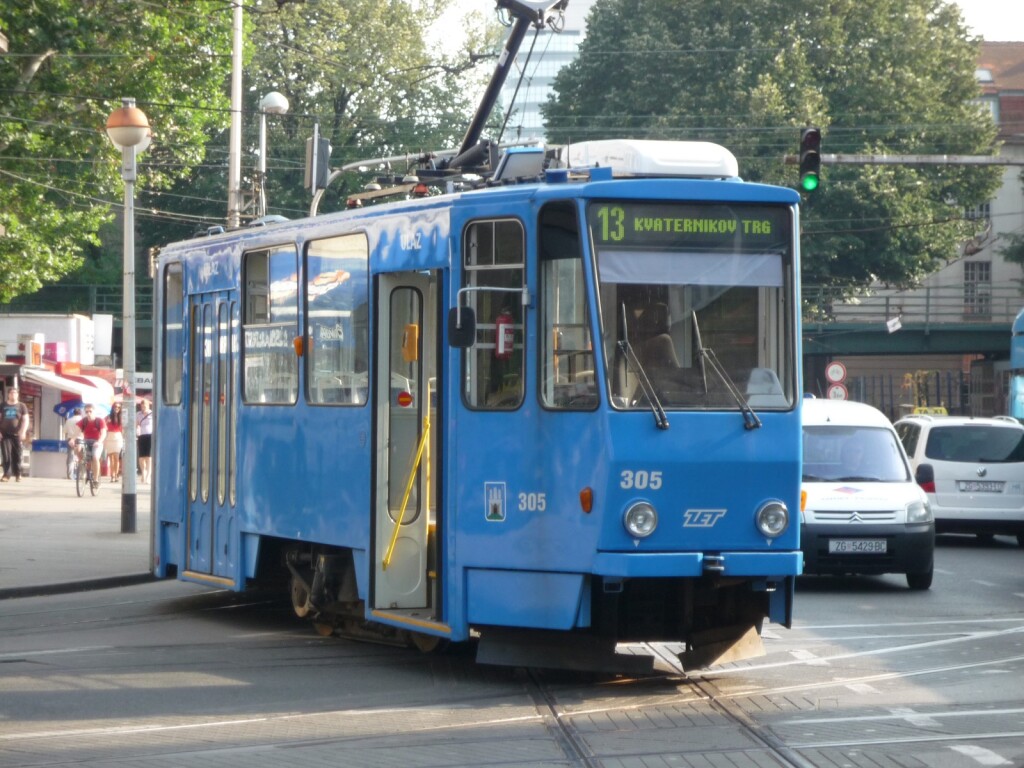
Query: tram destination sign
[737,226]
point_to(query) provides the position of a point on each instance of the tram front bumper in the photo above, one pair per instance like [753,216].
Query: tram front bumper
[695,564]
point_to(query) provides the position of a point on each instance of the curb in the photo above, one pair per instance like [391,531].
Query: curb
[69,587]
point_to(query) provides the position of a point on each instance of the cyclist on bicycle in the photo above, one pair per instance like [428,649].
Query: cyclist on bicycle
[72,433]
[93,429]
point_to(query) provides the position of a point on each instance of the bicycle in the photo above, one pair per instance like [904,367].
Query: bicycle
[86,477]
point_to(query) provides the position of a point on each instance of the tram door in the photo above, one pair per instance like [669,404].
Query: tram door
[211,439]
[405,494]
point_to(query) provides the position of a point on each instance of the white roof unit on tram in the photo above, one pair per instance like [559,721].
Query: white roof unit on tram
[635,157]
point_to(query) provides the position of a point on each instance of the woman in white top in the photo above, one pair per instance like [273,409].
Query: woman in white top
[144,430]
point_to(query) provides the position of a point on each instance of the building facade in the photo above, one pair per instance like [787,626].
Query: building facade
[979,288]
[529,83]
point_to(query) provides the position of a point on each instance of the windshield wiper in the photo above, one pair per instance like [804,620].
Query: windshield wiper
[707,355]
[660,417]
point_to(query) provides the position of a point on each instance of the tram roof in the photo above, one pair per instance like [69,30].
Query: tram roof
[522,171]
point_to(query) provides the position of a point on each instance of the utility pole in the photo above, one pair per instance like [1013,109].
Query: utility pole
[235,136]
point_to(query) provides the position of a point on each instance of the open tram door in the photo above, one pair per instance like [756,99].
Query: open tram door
[406,427]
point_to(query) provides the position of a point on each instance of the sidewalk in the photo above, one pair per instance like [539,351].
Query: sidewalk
[51,541]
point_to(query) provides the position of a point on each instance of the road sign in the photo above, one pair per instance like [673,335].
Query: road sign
[835,372]
[837,392]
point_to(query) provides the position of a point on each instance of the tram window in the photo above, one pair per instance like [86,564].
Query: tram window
[270,365]
[567,354]
[337,330]
[493,260]
[174,340]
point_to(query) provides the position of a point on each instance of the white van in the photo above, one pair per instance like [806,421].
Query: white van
[862,511]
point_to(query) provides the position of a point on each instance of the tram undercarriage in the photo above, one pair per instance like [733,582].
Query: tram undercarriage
[714,620]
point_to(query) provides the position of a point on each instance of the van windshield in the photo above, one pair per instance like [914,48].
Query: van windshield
[847,454]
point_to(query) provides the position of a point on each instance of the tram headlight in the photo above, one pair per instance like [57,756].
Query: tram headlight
[640,520]
[772,519]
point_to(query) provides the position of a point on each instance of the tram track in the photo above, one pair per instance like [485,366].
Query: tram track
[726,706]
[906,726]
[576,747]
[765,712]
[565,735]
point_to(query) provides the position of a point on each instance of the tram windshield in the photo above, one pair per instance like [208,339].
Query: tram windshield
[697,300]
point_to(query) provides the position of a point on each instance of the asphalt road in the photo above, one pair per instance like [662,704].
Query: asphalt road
[170,674]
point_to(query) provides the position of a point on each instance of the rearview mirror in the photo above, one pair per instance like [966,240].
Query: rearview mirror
[461,327]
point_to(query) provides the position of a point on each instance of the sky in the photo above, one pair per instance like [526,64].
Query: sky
[994,19]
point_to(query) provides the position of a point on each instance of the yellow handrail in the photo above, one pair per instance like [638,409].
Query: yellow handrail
[412,478]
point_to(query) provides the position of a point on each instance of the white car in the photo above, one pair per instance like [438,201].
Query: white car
[862,511]
[972,470]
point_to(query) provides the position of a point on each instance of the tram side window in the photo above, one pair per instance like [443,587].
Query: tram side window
[270,365]
[567,354]
[337,330]
[494,263]
[174,338]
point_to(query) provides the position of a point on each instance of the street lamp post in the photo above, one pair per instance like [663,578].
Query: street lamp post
[273,103]
[128,128]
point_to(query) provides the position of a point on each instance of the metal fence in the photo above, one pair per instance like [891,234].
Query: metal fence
[929,305]
[897,395]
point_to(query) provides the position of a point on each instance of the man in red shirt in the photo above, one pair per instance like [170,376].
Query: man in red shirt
[94,429]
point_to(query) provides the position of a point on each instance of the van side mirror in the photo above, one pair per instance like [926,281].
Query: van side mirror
[461,327]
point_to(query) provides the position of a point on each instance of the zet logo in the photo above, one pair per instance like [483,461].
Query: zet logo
[702,518]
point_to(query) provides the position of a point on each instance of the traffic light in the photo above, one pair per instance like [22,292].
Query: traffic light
[810,158]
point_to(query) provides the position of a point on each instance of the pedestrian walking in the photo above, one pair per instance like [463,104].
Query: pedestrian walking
[144,425]
[14,423]
[113,444]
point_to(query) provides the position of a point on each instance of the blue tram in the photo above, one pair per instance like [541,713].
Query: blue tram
[548,416]
[1016,394]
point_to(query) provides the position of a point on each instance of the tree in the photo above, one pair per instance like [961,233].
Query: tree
[69,64]
[365,70]
[878,76]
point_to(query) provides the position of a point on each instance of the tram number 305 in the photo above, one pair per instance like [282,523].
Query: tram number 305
[639,480]
[533,502]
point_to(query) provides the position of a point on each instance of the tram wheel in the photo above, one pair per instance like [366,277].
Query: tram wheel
[427,643]
[324,630]
[300,598]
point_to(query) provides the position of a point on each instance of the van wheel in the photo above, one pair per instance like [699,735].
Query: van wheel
[920,581]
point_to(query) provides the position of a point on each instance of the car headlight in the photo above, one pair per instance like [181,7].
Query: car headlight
[919,512]
[772,519]
[640,520]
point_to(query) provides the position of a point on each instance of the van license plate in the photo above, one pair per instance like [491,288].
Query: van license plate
[980,486]
[856,546]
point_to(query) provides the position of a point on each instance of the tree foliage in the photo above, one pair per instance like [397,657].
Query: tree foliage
[878,76]
[69,64]
[367,71]
[373,73]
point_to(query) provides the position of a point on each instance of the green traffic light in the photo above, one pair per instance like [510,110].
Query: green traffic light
[809,182]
